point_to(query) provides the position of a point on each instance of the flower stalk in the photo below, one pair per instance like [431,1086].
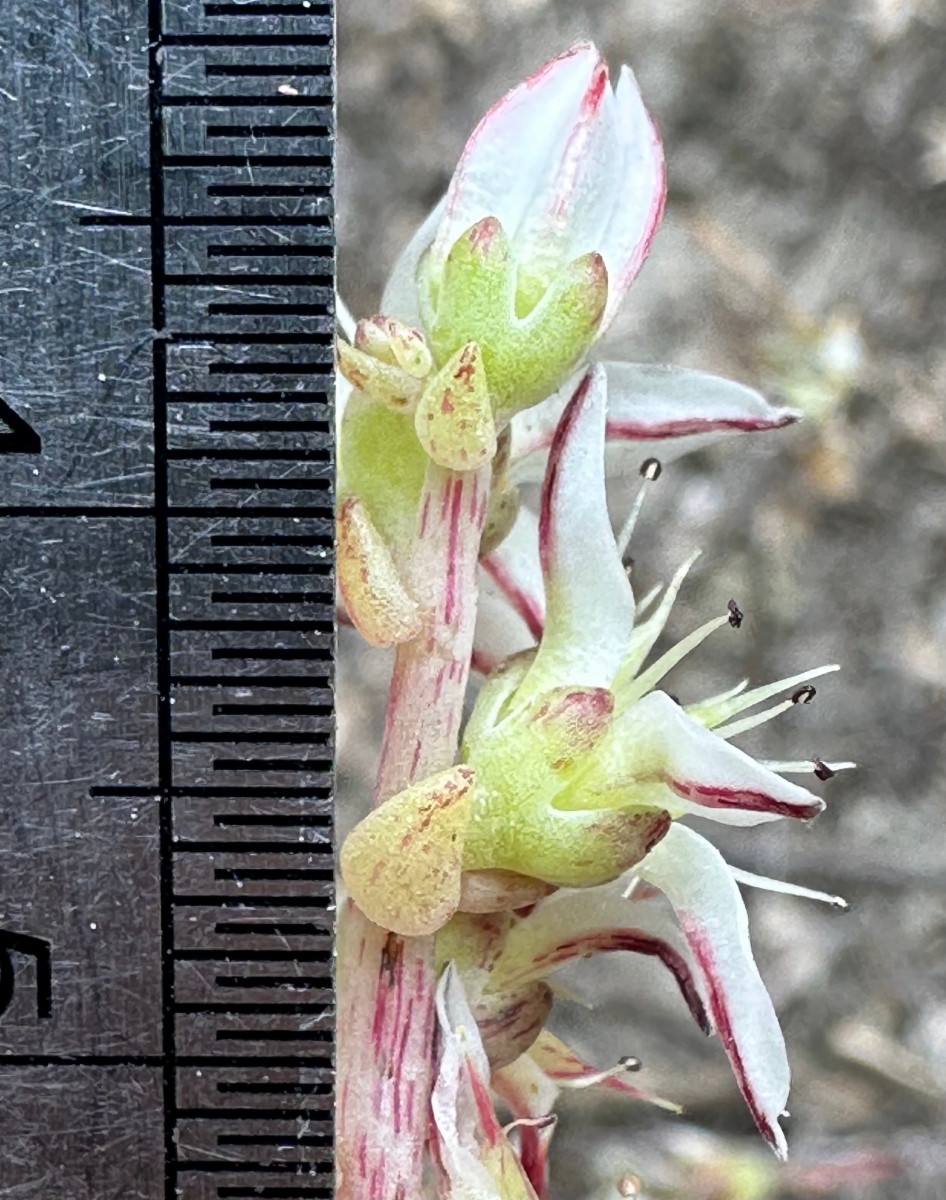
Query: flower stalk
[386,983]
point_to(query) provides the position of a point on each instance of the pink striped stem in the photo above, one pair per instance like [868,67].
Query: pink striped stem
[386,983]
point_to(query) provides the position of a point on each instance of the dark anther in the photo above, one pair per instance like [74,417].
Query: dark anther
[822,770]
[675,699]
[651,468]
[804,695]
[628,564]
[630,1063]
[735,615]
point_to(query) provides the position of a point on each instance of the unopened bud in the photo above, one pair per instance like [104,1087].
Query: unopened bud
[528,354]
[381,381]
[393,342]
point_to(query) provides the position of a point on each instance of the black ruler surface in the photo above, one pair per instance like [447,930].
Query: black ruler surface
[166,600]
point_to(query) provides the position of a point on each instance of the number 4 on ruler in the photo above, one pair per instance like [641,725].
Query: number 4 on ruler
[16,435]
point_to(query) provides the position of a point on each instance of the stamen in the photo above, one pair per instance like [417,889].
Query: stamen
[719,698]
[592,1079]
[714,711]
[642,640]
[768,714]
[789,889]
[631,887]
[643,605]
[650,470]
[652,676]
[548,1122]
[808,766]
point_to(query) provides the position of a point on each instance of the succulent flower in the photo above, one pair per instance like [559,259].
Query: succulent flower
[489,313]
[576,769]
[547,220]
[558,832]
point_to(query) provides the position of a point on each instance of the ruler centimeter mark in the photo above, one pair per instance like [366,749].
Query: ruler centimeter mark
[244,630]
[242,254]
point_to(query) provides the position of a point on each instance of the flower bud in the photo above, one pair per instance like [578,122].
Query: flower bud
[385,382]
[393,342]
[547,220]
[529,350]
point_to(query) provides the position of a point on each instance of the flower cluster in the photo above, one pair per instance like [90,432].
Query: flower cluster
[559,832]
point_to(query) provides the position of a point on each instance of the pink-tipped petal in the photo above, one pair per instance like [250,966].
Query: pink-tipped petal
[571,924]
[653,412]
[641,192]
[515,144]
[656,742]
[574,202]
[673,410]
[589,602]
[695,879]
[473,1154]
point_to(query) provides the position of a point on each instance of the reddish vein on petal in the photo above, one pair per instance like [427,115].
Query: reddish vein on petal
[744,799]
[637,942]
[635,431]
[703,953]
[530,608]
[560,440]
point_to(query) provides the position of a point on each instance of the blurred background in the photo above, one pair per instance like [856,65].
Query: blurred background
[804,253]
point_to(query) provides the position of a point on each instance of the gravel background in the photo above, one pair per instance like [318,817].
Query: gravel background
[803,252]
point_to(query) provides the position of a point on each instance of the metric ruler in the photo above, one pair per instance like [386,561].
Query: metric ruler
[166,599]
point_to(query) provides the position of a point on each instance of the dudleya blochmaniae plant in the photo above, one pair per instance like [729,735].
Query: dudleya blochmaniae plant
[555,830]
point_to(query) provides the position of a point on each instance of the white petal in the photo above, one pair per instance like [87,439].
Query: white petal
[454,1115]
[572,923]
[589,602]
[693,876]
[511,612]
[655,749]
[400,293]
[653,412]
[500,631]
[530,1095]
[514,145]
[532,431]
[642,190]
[574,201]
